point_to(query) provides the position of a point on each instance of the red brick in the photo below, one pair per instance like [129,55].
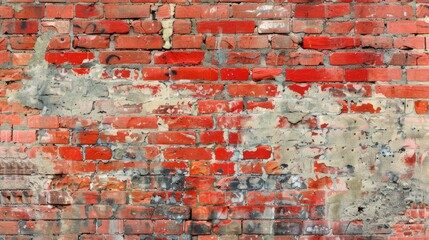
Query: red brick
[172,167]
[71,153]
[4,57]
[89,11]
[156,73]
[91,42]
[252,90]
[194,73]
[3,43]
[369,27]
[59,11]
[21,59]
[243,58]
[5,135]
[187,41]
[226,27]
[351,58]
[400,91]
[6,12]
[417,74]
[110,183]
[209,212]
[421,106]
[172,138]
[202,11]
[283,42]
[216,106]
[43,122]
[188,153]
[115,197]
[9,227]
[409,59]
[127,11]
[138,42]
[198,227]
[10,74]
[212,136]
[20,26]
[330,43]
[124,57]
[407,27]
[182,26]
[274,26]
[373,74]
[24,136]
[183,122]
[163,12]
[100,211]
[223,153]
[422,11]
[383,11]
[60,43]
[146,26]
[260,198]
[30,11]
[315,75]
[407,43]
[260,11]
[376,42]
[263,105]
[100,26]
[74,58]
[199,168]
[362,107]
[260,152]
[98,153]
[295,58]
[211,198]
[321,10]
[339,27]
[313,197]
[254,167]
[168,227]
[18,1]
[110,227]
[254,42]
[55,137]
[138,226]
[120,136]
[134,212]
[81,1]
[45,152]
[320,183]
[259,74]
[62,27]
[240,74]
[307,26]
[179,57]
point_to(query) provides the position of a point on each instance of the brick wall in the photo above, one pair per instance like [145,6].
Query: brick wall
[229,120]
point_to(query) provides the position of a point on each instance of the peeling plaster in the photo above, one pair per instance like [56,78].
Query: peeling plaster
[353,144]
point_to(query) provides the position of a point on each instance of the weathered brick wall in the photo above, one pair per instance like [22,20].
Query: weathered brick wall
[141,119]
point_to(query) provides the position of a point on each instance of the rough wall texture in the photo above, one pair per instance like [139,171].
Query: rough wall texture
[140,119]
